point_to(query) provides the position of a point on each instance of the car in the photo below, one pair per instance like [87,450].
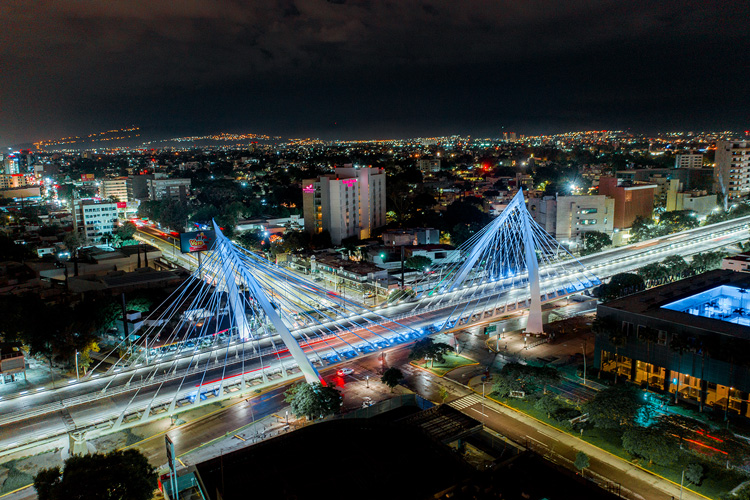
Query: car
[344,371]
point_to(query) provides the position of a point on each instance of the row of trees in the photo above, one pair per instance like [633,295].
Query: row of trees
[674,267]
[645,228]
[671,268]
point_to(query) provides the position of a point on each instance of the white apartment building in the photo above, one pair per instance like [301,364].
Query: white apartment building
[94,220]
[566,218]
[114,188]
[162,189]
[350,202]
[688,160]
[732,171]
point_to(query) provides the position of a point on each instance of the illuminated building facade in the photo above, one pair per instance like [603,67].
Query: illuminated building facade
[732,171]
[691,337]
[349,202]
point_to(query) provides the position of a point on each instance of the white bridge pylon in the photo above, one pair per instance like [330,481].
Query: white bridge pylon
[233,273]
[510,254]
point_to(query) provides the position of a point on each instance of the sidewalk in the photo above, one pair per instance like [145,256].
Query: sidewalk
[550,440]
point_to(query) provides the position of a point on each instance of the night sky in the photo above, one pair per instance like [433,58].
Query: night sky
[358,69]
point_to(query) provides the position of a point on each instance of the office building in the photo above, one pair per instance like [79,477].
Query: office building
[632,199]
[428,165]
[685,337]
[94,220]
[566,218]
[168,189]
[732,171]
[688,160]
[138,186]
[348,203]
[114,188]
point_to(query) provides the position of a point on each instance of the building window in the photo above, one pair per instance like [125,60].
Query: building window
[588,222]
[662,337]
[587,211]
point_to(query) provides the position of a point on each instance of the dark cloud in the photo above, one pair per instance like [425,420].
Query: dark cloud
[383,67]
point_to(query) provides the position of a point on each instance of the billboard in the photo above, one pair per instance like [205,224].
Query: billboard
[196,241]
[87,177]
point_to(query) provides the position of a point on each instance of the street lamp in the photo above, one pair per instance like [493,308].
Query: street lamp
[78,378]
[367,381]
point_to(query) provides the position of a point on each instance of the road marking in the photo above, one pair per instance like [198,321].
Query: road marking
[479,412]
[465,402]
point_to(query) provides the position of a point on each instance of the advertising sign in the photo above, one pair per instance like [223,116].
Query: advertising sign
[87,177]
[122,204]
[196,241]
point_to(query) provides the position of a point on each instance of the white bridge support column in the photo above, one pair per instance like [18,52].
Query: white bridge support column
[231,263]
[534,323]
[228,276]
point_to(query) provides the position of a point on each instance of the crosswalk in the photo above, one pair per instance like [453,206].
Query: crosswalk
[465,402]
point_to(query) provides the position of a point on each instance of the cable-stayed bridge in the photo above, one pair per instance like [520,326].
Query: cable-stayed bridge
[240,323]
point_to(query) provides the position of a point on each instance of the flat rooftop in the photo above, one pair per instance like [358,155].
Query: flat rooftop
[712,301]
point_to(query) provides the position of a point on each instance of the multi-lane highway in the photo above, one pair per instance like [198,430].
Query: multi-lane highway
[178,378]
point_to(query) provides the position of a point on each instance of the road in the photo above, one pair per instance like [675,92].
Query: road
[86,405]
[553,444]
[39,414]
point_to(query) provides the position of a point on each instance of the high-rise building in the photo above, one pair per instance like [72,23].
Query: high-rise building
[114,188]
[350,202]
[138,186]
[163,189]
[690,160]
[732,171]
[11,165]
[93,220]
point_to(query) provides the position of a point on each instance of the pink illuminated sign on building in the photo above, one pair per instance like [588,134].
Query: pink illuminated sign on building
[348,182]
[308,189]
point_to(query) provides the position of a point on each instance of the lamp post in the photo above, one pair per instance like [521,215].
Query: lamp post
[367,381]
[77,376]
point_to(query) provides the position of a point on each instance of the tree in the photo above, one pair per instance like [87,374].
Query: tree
[313,400]
[430,350]
[650,443]
[121,475]
[548,404]
[594,241]
[582,461]
[621,284]
[694,473]
[653,273]
[643,228]
[391,377]
[126,231]
[418,262]
[676,266]
[526,378]
[678,220]
[614,407]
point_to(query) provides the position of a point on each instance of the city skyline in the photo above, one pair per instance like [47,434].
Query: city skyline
[347,69]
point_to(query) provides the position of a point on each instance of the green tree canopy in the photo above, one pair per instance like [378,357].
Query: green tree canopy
[651,443]
[119,475]
[391,377]
[614,407]
[313,400]
[594,241]
[418,262]
[582,461]
[430,350]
